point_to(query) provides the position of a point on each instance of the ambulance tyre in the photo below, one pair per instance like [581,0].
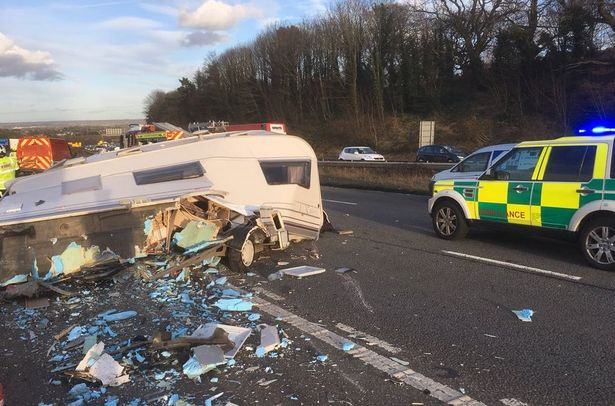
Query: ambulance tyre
[448,220]
[597,241]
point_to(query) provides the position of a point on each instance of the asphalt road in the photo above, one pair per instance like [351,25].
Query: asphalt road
[451,317]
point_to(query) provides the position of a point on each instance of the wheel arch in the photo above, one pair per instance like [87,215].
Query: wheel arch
[577,224]
[455,197]
[590,211]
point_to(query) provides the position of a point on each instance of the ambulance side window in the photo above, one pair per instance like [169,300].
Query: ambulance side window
[474,163]
[518,165]
[570,164]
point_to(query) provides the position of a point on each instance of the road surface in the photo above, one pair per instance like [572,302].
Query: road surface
[451,316]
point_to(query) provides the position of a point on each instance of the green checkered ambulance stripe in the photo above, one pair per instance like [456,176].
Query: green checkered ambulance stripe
[546,204]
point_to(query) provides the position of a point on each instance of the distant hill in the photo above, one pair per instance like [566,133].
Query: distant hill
[71,123]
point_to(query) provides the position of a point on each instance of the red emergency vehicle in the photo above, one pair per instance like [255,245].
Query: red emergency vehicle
[38,153]
[279,128]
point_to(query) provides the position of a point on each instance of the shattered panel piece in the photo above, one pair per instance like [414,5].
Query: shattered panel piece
[119,316]
[193,369]
[15,280]
[107,370]
[234,305]
[302,271]
[524,315]
[91,356]
[238,335]
[270,340]
[88,343]
[209,354]
[196,233]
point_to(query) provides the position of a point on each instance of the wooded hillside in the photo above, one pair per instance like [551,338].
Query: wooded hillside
[485,70]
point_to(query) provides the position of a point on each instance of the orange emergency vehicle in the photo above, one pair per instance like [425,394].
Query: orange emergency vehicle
[38,153]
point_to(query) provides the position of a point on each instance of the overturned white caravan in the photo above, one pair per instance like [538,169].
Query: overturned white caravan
[247,191]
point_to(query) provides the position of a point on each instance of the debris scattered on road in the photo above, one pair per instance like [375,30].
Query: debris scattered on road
[322,357]
[119,316]
[270,340]
[399,361]
[347,346]
[302,271]
[524,314]
[148,334]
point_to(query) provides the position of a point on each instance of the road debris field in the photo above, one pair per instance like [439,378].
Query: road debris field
[195,335]
[385,314]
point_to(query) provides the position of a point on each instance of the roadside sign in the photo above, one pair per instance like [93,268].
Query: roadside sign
[426,133]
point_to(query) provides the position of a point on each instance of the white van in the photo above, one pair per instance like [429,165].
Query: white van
[474,165]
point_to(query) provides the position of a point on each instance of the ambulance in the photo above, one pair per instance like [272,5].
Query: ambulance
[564,184]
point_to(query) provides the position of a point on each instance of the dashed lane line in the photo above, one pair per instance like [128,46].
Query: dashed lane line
[371,340]
[511,265]
[392,368]
[340,202]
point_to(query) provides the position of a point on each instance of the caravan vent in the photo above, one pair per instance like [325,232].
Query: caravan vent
[82,185]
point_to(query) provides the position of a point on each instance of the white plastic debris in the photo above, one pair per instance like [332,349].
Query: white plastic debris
[237,335]
[270,340]
[209,354]
[108,371]
[524,314]
[302,271]
[91,356]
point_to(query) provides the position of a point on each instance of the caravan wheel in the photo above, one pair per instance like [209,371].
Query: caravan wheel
[240,260]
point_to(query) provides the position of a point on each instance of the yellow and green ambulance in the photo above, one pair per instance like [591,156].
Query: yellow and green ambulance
[567,184]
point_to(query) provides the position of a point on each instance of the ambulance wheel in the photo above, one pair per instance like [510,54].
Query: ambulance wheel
[240,260]
[448,221]
[598,243]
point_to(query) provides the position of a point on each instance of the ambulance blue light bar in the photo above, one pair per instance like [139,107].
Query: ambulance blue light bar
[598,130]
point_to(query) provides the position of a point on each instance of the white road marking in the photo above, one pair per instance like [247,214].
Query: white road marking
[399,372]
[513,402]
[511,265]
[371,340]
[340,202]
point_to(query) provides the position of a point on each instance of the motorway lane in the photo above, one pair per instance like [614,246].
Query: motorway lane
[443,311]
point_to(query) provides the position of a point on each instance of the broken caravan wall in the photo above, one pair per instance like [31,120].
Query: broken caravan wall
[26,236]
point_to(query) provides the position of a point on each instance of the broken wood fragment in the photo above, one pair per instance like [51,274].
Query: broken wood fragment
[62,333]
[55,288]
[219,337]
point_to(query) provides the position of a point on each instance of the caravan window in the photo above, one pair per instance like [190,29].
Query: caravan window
[287,172]
[169,173]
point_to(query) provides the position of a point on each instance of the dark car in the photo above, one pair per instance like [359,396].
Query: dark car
[439,153]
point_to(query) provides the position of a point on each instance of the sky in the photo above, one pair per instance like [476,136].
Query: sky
[99,59]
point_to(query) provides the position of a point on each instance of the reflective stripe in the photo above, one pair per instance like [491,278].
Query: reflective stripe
[541,166]
[601,160]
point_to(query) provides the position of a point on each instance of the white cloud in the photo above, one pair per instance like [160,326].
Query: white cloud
[18,62]
[129,23]
[217,15]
